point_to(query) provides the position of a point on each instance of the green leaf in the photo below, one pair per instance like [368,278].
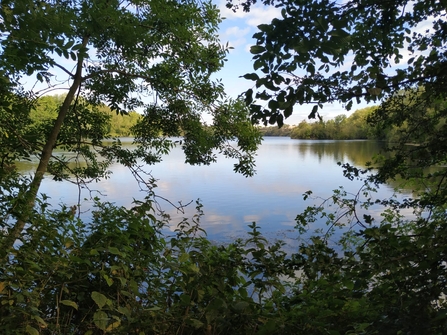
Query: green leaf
[241,305]
[185,299]
[249,96]
[114,250]
[273,105]
[280,120]
[124,310]
[109,280]
[288,111]
[94,252]
[264,27]
[69,44]
[349,284]
[251,76]
[349,105]
[339,32]
[257,49]
[195,323]
[39,320]
[76,47]
[99,298]
[258,64]
[313,112]
[69,303]
[183,257]
[268,328]
[100,320]
[283,13]
[31,330]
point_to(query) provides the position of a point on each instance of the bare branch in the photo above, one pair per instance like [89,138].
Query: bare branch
[64,69]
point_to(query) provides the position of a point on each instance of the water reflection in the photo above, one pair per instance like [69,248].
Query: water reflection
[286,168]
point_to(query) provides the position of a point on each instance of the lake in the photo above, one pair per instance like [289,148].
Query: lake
[286,169]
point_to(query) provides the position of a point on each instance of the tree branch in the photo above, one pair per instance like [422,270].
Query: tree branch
[64,69]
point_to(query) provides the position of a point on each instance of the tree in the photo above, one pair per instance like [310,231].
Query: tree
[152,56]
[275,131]
[326,51]
[392,53]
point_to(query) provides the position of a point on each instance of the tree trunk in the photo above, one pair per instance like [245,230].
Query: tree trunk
[28,198]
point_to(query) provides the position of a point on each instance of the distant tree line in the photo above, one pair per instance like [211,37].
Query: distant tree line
[341,127]
[365,124]
[117,125]
[285,130]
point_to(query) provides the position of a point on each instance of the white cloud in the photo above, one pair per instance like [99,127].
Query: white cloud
[236,31]
[235,36]
[258,14]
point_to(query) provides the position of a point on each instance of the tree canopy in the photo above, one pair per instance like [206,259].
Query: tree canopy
[332,51]
[354,127]
[152,56]
[44,112]
[389,52]
[117,273]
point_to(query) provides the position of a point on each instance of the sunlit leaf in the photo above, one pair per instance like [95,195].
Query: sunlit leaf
[99,298]
[31,330]
[100,320]
[69,303]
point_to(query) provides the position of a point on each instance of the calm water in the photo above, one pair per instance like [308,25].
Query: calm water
[286,169]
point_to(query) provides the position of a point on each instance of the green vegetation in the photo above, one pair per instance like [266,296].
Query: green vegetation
[121,125]
[117,55]
[391,53]
[340,128]
[117,125]
[366,123]
[118,273]
[276,131]
[356,126]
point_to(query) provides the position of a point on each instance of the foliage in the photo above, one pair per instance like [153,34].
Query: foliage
[325,51]
[121,125]
[45,112]
[121,275]
[417,119]
[276,131]
[153,56]
[388,272]
[123,272]
[354,127]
